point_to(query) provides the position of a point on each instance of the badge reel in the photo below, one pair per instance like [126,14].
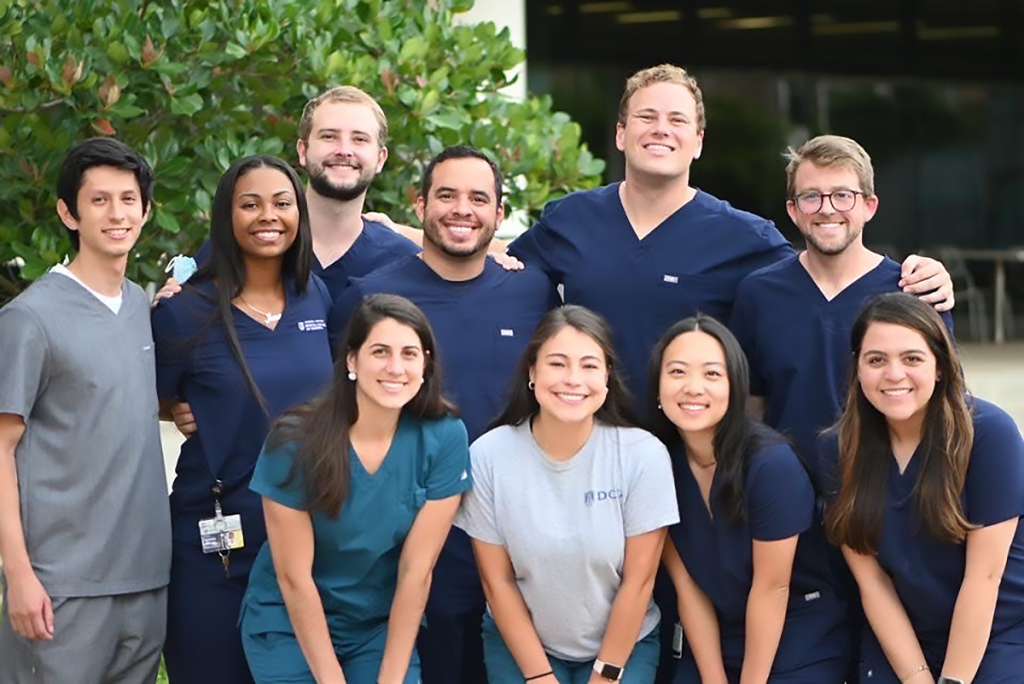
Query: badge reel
[221,533]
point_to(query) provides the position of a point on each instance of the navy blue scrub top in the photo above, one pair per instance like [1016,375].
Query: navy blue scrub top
[376,246]
[355,566]
[194,363]
[692,262]
[718,554]
[481,326]
[927,573]
[798,344]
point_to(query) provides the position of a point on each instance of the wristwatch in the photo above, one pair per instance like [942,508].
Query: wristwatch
[613,673]
[949,680]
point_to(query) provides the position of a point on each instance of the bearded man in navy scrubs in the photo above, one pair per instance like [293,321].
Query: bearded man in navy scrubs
[652,249]
[482,317]
[794,317]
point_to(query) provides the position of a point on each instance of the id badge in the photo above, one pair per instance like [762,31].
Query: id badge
[221,533]
[677,642]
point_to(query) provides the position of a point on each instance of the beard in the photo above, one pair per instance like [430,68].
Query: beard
[319,182]
[834,247]
[433,232]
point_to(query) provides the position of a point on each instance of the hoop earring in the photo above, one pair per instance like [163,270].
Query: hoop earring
[532,385]
[352,376]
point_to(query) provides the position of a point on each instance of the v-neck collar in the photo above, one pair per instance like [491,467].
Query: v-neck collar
[384,468]
[679,453]
[290,295]
[853,287]
[658,229]
[87,294]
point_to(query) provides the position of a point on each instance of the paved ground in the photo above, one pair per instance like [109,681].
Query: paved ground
[994,372]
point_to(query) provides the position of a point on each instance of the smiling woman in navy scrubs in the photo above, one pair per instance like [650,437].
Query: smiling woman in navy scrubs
[359,488]
[926,489]
[244,341]
[747,558]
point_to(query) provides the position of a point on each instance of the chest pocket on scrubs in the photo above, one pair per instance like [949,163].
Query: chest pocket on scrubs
[409,505]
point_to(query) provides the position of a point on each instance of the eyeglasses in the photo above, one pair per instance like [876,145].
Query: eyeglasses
[812,202]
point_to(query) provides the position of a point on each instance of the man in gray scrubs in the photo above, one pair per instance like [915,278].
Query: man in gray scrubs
[84,521]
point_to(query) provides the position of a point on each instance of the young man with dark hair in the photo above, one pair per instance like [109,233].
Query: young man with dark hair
[84,519]
[482,316]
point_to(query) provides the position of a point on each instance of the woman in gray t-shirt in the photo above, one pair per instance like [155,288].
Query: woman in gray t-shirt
[568,514]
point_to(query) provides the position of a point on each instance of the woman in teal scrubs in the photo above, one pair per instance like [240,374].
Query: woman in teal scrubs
[359,491]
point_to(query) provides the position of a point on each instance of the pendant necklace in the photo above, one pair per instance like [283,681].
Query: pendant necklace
[268,317]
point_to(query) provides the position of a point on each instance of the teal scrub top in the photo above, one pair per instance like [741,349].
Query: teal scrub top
[355,563]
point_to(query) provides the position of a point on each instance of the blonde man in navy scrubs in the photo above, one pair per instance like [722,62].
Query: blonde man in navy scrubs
[794,317]
[85,530]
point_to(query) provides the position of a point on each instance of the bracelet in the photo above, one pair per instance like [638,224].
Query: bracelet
[916,671]
[530,679]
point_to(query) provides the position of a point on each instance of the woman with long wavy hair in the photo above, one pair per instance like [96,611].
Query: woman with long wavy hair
[568,516]
[757,598]
[925,489]
[359,490]
[245,340]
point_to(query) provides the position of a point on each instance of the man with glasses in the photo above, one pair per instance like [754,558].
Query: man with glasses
[793,318]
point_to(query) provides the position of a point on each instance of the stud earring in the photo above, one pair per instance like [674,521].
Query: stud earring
[352,376]
[532,385]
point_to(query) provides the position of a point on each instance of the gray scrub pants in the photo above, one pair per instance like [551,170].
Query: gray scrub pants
[97,640]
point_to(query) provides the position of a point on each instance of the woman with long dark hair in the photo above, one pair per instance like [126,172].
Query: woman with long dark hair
[568,516]
[748,557]
[925,486]
[244,341]
[359,490]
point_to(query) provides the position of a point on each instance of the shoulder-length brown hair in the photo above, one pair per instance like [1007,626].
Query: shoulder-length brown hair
[865,453]
[522,405]
[321,427]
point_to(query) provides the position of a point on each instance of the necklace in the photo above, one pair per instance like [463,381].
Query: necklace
[706,465]
[268,317]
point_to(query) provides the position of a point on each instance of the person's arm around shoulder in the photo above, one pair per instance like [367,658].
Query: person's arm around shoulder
[445,481]
[697,615]
[888,618]
[28,604]
[929,280]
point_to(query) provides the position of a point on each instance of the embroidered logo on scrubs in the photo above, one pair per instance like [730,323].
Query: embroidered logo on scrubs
[465,475]
[668,278]
[591,496]
[507,332]
[312,325]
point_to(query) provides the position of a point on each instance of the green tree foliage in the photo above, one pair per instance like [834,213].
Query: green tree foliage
[194,84]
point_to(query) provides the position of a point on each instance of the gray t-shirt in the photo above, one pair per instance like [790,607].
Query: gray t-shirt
[565,524]
[90,469]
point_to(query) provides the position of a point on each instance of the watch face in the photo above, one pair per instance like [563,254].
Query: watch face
[611,672]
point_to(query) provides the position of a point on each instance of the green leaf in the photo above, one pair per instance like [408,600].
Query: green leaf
[446,120]
[127,110]
[236,51]
[188,105]
[414,48]
[167,221]
[117,52]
